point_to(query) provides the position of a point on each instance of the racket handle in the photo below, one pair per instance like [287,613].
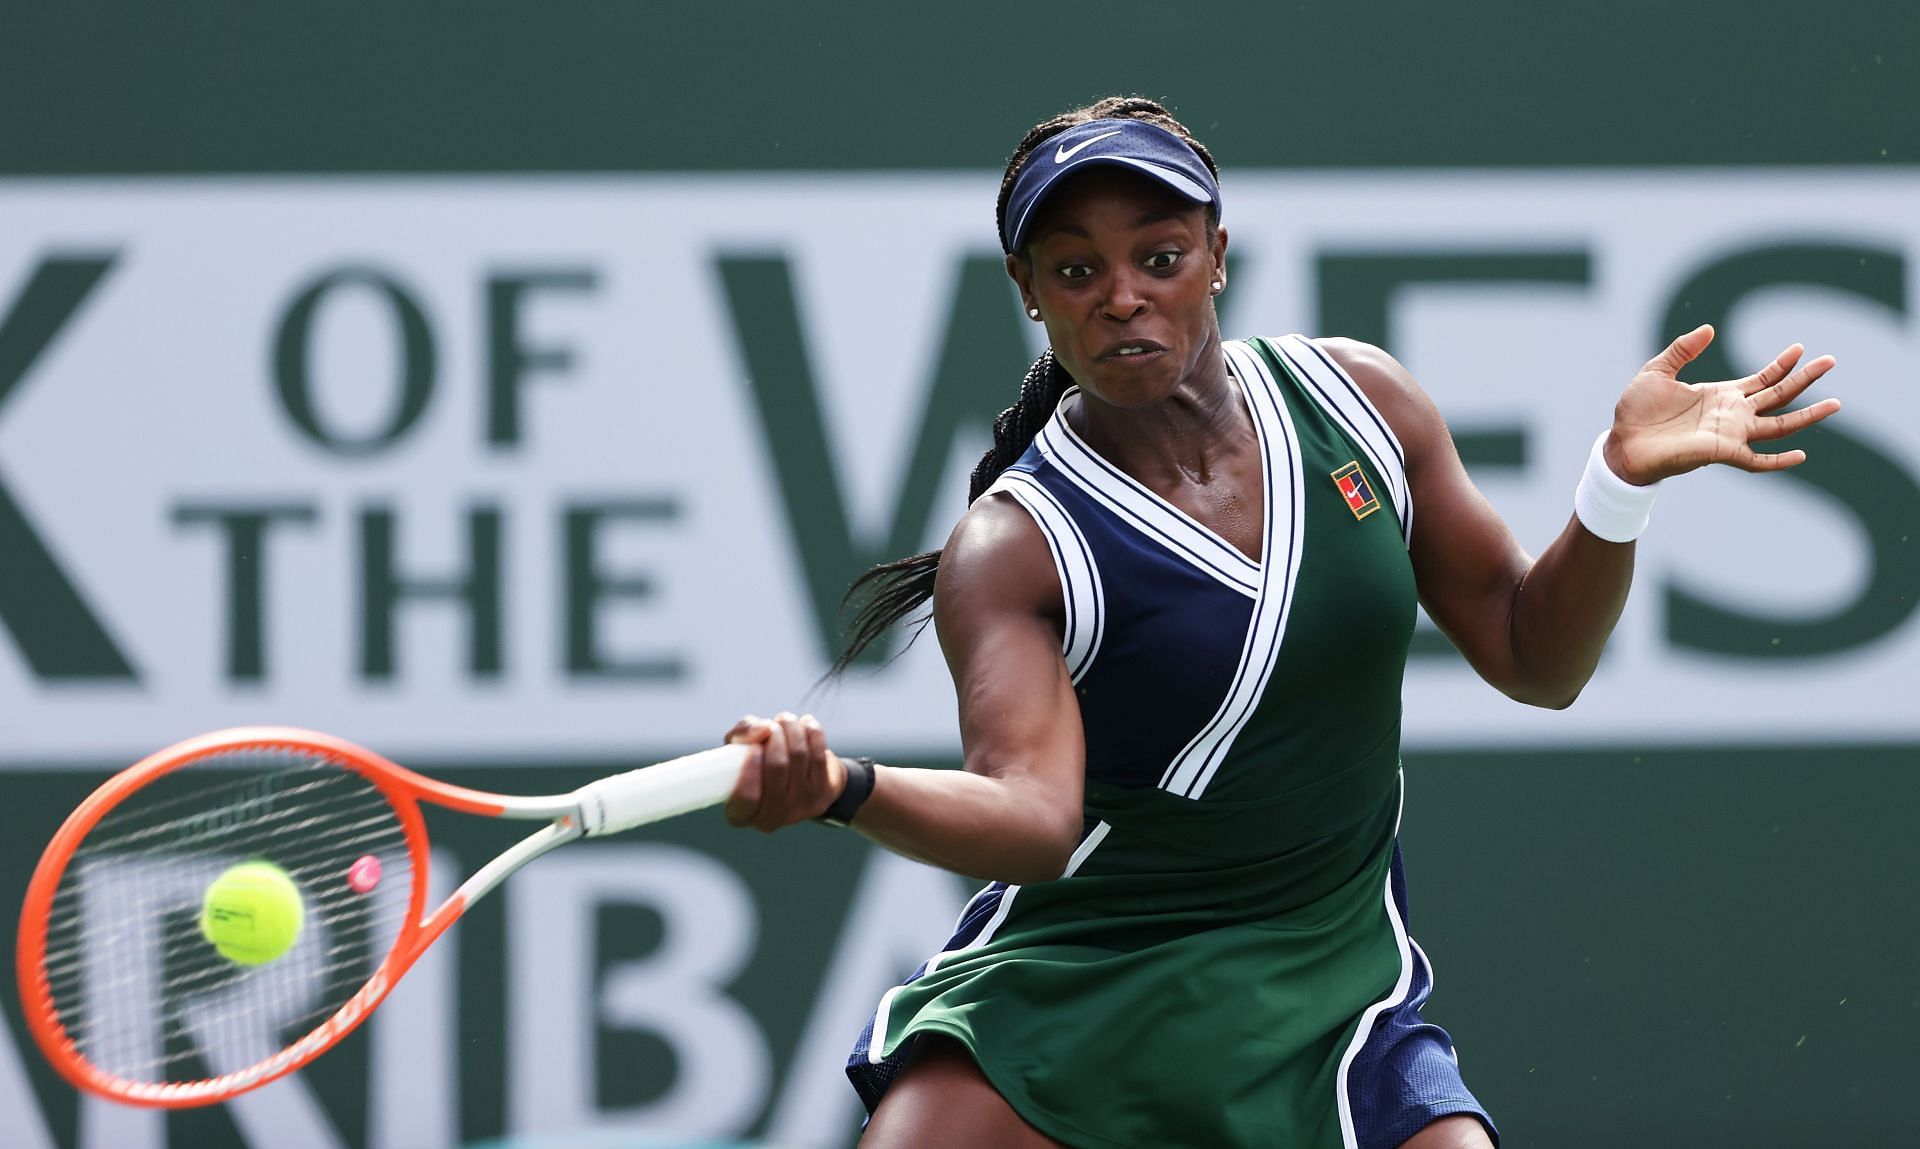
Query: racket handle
[665,790]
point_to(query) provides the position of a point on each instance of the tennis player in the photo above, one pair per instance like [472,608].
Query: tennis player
[1177,615]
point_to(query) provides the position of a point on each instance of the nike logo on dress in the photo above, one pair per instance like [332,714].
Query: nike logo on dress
[1062,154]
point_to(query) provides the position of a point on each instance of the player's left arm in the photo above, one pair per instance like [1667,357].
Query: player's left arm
[1534,628]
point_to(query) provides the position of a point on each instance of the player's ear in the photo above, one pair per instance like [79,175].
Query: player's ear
[1021,272]
[1219,254]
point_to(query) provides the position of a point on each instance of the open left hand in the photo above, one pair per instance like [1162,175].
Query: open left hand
[1663,427]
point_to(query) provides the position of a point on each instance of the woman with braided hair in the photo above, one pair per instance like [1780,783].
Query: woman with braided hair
[1177,615]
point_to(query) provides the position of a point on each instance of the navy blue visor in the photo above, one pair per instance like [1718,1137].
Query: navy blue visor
[1137,144]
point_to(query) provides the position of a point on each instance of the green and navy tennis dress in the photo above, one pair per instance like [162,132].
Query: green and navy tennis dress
[1226,961]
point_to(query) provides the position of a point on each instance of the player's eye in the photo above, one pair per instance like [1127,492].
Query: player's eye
[1075,271]
[1163,260]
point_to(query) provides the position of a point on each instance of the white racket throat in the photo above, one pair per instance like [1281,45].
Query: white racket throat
[612,805]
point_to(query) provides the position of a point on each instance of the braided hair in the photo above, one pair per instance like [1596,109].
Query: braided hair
[891,591]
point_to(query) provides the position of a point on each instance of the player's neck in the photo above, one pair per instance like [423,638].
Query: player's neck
[1180,439]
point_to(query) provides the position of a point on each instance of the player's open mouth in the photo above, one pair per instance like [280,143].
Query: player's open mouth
[1133,349]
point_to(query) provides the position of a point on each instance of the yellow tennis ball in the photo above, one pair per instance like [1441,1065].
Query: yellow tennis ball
[252,913]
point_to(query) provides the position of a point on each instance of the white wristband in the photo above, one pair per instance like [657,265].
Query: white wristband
[1607,504]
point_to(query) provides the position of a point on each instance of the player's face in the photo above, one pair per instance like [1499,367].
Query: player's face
[1122,269]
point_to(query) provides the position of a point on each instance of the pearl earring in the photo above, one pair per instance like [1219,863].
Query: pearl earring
[1033,313]
[1218,286]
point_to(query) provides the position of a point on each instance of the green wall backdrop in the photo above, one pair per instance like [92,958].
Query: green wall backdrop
[606,86]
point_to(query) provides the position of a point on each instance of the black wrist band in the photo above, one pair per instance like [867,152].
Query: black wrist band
[858,788]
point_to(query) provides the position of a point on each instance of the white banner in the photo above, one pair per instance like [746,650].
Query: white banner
[479,469]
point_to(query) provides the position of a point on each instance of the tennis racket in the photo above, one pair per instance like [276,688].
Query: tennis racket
[128,999]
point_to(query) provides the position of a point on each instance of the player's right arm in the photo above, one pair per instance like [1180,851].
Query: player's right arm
[1014,813]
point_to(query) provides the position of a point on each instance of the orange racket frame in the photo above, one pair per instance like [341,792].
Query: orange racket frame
[606,806]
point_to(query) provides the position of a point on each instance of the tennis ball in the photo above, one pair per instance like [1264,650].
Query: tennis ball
[252,913]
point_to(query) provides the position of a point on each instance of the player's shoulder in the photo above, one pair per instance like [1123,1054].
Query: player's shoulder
[995,531]
[1386,383]
[997,554]
[1384,379]
[1372,368]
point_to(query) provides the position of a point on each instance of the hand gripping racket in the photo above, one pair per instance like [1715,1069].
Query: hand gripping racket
[126,996]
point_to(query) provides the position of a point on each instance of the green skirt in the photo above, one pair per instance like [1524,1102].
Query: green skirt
[1178,987]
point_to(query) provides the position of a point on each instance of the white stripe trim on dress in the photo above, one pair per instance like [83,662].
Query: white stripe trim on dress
[1452,1051]
[1197,763]
[877,1045]
[1348,405]
[1073,561]
[1349,1139]
[1150,514]
[1359,394]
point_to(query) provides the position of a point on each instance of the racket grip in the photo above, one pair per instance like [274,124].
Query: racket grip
[664,790]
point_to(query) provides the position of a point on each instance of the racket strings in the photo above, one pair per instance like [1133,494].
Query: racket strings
[71,965]
[139,989]
[312,874]
[251,799]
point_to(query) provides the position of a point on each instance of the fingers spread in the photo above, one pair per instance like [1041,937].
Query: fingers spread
[1757,462]
[1683,350]
[1780,426]
[1788,389]
[1773,372]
